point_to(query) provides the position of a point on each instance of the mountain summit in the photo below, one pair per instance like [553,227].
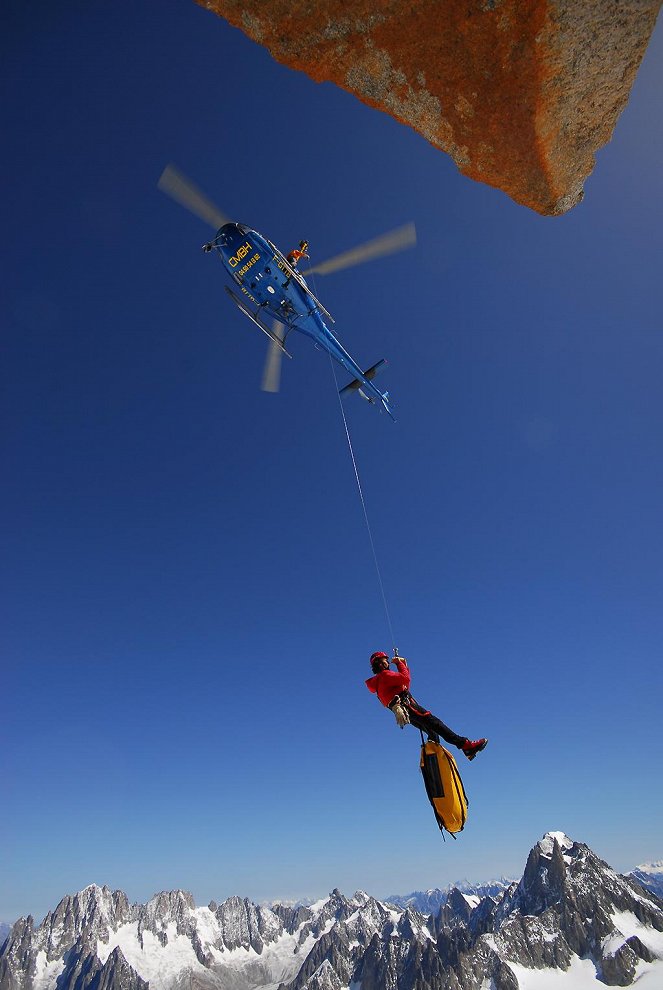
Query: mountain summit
[570,921]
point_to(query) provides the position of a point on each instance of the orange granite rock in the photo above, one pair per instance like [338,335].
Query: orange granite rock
[521,93]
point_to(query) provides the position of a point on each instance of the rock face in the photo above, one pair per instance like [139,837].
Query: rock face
[569,912]
[521,93]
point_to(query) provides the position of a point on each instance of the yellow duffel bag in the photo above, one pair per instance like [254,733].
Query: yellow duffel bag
[444,787]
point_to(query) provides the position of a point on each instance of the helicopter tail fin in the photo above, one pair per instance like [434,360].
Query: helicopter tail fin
[355,385]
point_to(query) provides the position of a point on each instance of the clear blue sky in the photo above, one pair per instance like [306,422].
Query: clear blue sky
[189,599]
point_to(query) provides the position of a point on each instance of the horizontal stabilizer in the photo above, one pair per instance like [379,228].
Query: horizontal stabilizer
[356,384]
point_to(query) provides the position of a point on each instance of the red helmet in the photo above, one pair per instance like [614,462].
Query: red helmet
[377,656]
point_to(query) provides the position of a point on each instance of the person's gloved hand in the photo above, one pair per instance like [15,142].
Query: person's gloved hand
[400,714]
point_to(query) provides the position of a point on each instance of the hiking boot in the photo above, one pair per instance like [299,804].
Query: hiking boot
[472,748]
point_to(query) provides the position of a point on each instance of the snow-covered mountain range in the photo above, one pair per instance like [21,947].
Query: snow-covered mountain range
[430,901]
[569,923]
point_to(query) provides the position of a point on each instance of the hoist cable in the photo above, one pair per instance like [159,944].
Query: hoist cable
[363,505]
[361,495]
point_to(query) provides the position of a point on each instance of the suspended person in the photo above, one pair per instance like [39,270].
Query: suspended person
[393,690]
[296,255]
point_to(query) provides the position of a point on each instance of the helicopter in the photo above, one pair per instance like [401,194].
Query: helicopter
[267,287]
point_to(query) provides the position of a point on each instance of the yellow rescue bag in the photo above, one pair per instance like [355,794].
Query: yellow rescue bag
[444,787]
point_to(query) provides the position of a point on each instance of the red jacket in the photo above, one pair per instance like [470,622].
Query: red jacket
[388,683]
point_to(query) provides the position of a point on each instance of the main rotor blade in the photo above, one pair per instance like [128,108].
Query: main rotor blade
[389,243]
[271,376]
[176,185]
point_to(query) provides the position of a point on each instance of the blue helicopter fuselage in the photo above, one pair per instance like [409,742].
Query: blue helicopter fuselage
[269,284]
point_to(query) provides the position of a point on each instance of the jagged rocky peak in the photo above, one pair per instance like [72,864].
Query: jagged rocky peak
[94,910]
[411,925]
[545,870]
[460,905]
[117,974]
[369,916]
[291,916]
[334,907]
[569,903]
[558,869]
[550,865]
[92,905]
[70,930]
[172,907]
[17,955]
[336,900]
[170,904]
[244,925]
[84,971]
[358,917]
[550,839]
[520,96]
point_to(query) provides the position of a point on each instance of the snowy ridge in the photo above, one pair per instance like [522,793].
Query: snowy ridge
[569,923]
[650,876]
[651,868]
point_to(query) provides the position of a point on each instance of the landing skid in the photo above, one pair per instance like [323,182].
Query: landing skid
[255,319]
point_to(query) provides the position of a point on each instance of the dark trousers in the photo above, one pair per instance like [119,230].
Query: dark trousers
[431,724]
